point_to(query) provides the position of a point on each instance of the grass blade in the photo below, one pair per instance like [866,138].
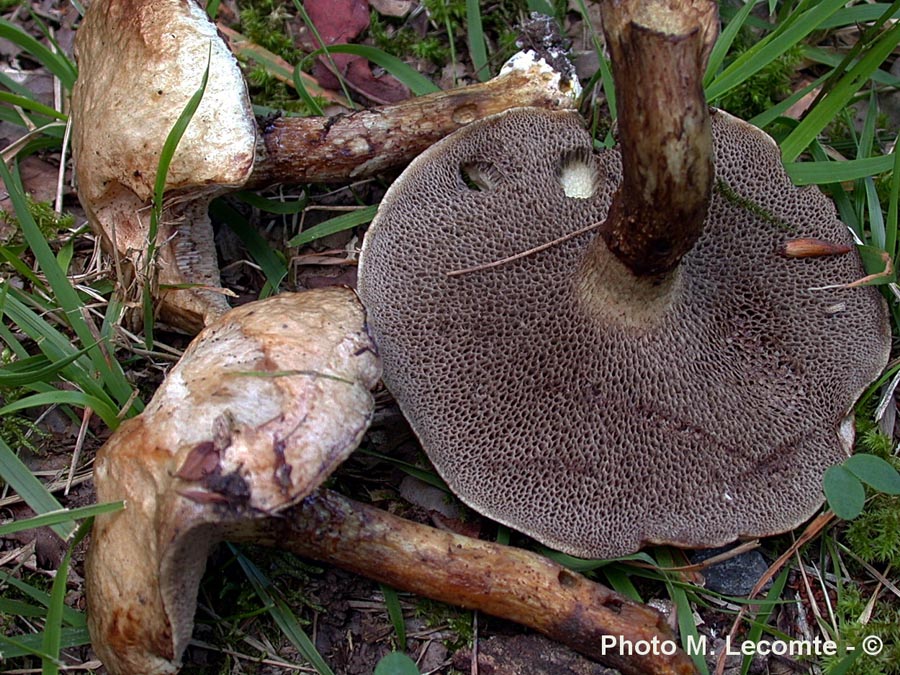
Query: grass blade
[423,475]
[620,582]
[19,478]
[61,516]
[765,118]
[70,616]
[857,14]
[891,223]
[395,612]
[477,46]
[35,369]
[52,642]
[110,371]
[687,628]
[173,138]
[828,171]
[77,398]
[839,96]
[337,224]
[270,261]
[30,104]
[282,614]
[30,645]
[771,47]
[52,343]
[762,617]
[288,207]
[418,84]
[836,61]
[876,215]
[57,64]
[303,92]
[725,40]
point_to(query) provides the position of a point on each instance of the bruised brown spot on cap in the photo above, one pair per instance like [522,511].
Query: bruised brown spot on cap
[201,461]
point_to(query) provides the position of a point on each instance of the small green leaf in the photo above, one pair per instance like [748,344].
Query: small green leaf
[875,472]
[396,663]
[845,494]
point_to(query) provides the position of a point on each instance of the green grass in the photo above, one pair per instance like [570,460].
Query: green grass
[64,338]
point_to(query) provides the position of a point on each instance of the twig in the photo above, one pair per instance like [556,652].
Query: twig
[525,254]
[79,444]
[812,530]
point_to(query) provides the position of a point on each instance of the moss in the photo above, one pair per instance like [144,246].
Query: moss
[265,23]
[18,431]
[49,222]
[267,90]
[459,621]
[402,41]
[731,195]
[444,11]
[761,91]
[884,623]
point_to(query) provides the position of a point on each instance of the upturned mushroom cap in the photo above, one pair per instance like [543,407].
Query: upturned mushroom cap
[589,408]
[263,405]
[140,61]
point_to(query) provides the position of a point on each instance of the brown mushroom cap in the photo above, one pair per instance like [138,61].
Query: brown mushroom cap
[594,410]
[265,403]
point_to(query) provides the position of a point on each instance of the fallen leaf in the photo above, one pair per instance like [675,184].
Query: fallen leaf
[338,21]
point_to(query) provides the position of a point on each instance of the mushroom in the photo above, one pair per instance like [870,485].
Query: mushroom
[260,409]
[608,349]
[140,62]
[263,405]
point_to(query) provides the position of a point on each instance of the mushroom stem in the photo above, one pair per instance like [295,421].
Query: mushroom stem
[364,143]
[659,51]
[499,580]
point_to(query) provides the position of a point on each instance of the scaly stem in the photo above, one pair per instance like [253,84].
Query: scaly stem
[659,50]
[499,580]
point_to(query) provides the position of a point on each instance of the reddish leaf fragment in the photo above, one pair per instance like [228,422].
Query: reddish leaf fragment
[358,75]
[338,20]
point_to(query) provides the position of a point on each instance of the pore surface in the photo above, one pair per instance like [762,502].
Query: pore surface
[558,396]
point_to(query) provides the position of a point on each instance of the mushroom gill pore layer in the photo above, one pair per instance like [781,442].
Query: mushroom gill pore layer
[595,411]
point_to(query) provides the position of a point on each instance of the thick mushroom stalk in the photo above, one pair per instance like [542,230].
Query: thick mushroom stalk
[264,404]
[659,52]
[140,61]
[499,580]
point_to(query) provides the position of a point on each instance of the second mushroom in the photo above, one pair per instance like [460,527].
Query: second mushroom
[611,349]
